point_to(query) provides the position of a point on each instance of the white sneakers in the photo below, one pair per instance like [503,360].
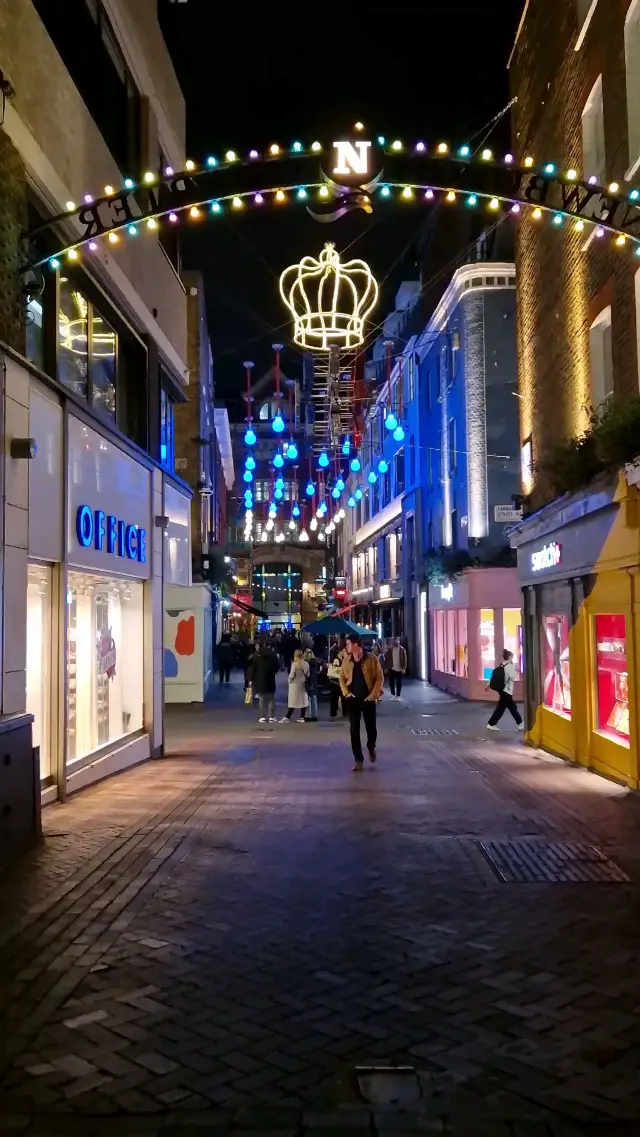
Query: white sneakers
[490,727]
[263,720]
[285,719]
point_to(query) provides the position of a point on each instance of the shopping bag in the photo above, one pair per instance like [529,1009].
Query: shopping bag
[248,695]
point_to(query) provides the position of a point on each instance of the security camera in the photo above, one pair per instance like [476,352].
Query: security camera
[31,283]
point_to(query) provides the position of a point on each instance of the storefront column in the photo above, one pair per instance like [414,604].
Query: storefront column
[154,623]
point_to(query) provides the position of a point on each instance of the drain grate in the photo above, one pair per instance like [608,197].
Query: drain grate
[426,732]
[566,862]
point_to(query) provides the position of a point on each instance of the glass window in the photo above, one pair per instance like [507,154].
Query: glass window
[556,676]
[438,619]
[512,635]
[166,429]
[399,473]
[39,663]
[612,677]
[593,152]
[103,365]
[450,661]
[412,376]
[104,681]
[487,643]
[462,657]
[73,348]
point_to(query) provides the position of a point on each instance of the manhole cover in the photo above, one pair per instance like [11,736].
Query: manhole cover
[430,732]
[566,862]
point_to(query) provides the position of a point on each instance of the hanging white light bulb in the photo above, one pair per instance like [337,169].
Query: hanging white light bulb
[304,536]
[313,524]
[292,524]
[264,537]
[270,524]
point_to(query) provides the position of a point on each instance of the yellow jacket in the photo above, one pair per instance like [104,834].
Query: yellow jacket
[371,670]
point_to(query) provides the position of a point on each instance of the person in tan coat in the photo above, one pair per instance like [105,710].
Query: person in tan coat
[361,683]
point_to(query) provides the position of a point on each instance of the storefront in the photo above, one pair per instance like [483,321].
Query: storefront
[578,561]
[472,620]
[97,539]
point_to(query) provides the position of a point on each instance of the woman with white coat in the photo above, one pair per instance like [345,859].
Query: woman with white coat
[298,697]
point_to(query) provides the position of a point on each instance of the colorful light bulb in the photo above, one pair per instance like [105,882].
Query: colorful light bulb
[391,421]
[351,501]
[335,493]
[340,483]
[292,451]
[310,489]
[358,494]
[250,463]
[355,465]
[296,510]
[278,423]
[250,437]
[248,476]
[383,466]
[323,460]
[278,461]
[373,477]
[346,447]
[398,433]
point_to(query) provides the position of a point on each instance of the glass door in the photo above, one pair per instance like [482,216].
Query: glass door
[39,663]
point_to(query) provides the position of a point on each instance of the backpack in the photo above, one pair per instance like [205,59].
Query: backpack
[496,682]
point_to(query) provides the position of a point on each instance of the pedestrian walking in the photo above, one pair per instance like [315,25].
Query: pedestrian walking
[502,680]
[225,658]
[395,662]
[298,697]
[312,684]
[361,682]
[261,674]
[335,694]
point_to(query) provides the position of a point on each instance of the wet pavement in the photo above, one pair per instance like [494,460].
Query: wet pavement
[247,937]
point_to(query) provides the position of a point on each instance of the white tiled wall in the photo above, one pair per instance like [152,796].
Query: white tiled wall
[16,530]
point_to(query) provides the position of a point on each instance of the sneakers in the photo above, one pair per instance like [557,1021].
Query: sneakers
[263,720]
[520,726]
[490,727]
[372,757]
[305,719]
[357,766]
[274,719]
[285,719]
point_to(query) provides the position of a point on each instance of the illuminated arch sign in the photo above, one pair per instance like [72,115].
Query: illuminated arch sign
[356,174]
[106,533]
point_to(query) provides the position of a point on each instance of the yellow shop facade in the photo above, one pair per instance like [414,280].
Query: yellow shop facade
[579,570]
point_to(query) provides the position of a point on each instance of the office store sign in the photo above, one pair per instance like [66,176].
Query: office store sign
[107,533]
[549,556]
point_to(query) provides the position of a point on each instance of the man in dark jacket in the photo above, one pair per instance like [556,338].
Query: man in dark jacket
[225,658]
[261,674]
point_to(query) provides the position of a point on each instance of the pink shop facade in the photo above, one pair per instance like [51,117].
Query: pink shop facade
[471,621]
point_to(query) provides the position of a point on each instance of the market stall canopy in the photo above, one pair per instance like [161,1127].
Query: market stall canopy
[336,626]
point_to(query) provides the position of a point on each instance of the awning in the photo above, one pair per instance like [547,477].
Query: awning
[248,608]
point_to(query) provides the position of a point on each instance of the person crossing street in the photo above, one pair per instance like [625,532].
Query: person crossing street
[361,682]
[502,682]
[395,662]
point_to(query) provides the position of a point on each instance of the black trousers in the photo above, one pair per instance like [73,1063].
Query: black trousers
[505,703]
[335,699]
[360,709]
[225,672]
[395,682]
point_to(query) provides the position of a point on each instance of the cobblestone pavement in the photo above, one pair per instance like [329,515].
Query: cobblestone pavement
[247,937]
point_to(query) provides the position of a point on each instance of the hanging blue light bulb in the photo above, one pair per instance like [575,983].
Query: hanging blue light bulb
[278,423]
[311,489]
[323,460]
[398,433]
[383,466]
[279,483]
[295,512]
[391,421]
[278,494]
[248,476]
[324,507]
[250,437]
[340,484]
[355,465]
[335,492]
[250,463]
[358,494]
[278,461]
[351,502]
[346,447]
[373,477]
[292,451]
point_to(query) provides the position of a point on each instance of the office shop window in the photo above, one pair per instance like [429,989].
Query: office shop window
[87,349]
[86,42]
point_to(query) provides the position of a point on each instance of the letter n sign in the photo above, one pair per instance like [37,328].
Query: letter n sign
[351,158]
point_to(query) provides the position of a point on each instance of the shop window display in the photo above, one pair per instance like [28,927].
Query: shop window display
[612,677]
[556,674]
[462,662]
[512,635]
[104,661]
[450,661]
[39,662]
[438,619]
[487,643]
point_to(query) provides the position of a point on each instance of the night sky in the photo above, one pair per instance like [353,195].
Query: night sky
[256,74]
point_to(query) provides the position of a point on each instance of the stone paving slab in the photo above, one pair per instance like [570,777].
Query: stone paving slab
[218,941]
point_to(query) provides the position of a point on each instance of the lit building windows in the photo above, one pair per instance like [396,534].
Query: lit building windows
[556,674]
[593,152]
[632,65]
[601,349]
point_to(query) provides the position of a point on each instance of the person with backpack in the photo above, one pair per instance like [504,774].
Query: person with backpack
[502,680]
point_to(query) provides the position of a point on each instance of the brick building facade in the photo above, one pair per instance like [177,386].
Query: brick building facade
[565,56]
[575,72]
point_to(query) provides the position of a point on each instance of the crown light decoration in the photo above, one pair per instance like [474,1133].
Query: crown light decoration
[330,301]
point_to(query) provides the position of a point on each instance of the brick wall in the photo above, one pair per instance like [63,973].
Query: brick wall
[560,286]
[13,220]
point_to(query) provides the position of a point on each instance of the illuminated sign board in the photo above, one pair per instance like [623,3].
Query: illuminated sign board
[107,534]
[446,591]
[549,556]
